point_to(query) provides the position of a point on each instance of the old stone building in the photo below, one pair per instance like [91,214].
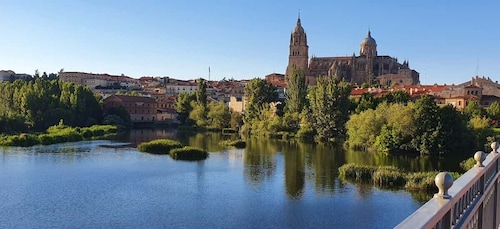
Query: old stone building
[368,66]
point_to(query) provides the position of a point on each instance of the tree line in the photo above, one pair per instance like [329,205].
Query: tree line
[390,124]
[195,109]
[37,103]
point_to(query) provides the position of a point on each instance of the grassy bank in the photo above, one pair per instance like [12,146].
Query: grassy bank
[59,134]
[159,146]
[388,176]
[188,153]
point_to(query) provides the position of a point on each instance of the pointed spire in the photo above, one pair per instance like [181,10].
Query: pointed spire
[298,19]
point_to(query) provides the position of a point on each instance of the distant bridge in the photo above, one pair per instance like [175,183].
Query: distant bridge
[472,201]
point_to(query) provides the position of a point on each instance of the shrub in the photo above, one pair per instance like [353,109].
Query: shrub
[159,146]
[23,140]
[425,180]
[188,153]
[421,181]
[357,172]
[391,177]
[468,164]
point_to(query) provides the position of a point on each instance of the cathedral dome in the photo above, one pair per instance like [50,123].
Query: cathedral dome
[369,40]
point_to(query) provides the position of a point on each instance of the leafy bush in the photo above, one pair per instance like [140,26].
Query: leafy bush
[468,164]
[188,153]
[388,176]
[357,172]
[159,146]
[57,134]
[421,181]
[391,177]
[23,140]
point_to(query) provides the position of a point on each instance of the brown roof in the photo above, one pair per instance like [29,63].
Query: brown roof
[128,98]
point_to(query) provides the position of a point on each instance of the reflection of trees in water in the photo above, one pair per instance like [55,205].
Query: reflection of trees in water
[421,196]
[323,161]
[208,141]
[294,171]
[409,163]
[364,190]
[137,136]
[259,160]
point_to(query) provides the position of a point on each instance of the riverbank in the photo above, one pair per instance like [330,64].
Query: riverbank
[58,134]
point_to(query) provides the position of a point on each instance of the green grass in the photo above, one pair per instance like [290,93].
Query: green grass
[188,153]
[159,146]
[58,134]
[388,176]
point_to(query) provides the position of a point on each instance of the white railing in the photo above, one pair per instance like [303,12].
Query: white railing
[472,201]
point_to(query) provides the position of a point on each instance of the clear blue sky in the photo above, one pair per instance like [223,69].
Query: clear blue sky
[444,40]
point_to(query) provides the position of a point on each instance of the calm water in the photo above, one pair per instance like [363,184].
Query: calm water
[269,184]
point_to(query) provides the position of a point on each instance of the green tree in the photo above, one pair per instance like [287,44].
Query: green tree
[219,115]
[473,109]
[258,95]
[296,91]
[426,138]
[493,111]
[183,105]
[236,120]
[480,127]
[365,102]
[200,108]
[455,136]
[201,93]
[198,114]
[330,105]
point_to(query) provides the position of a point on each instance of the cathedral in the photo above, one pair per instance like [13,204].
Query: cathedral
[368,67]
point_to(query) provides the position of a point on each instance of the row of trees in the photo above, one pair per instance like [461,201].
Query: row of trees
[195,109]
[413,127]
[42,102]
[390,124]
[316,113]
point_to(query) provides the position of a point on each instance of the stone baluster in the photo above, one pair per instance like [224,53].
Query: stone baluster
[494,147]
[443,181]
[479,156]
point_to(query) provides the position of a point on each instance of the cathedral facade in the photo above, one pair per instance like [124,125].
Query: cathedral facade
[367,67]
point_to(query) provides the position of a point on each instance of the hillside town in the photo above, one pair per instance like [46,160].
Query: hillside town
[154,97]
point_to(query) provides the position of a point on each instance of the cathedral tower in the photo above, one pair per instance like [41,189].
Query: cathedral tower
[298,49]
[368,46]
[369,52]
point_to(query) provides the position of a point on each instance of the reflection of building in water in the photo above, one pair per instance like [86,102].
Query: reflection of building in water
[144,135]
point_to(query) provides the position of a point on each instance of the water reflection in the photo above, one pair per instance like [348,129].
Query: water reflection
[302,163]
[260,161]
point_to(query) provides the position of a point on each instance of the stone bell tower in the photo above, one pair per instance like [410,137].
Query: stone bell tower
[299,51]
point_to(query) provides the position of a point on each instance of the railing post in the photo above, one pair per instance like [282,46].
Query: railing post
[479,156]
[443,181]
[494,152]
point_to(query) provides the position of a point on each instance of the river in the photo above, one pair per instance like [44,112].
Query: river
[269,184]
